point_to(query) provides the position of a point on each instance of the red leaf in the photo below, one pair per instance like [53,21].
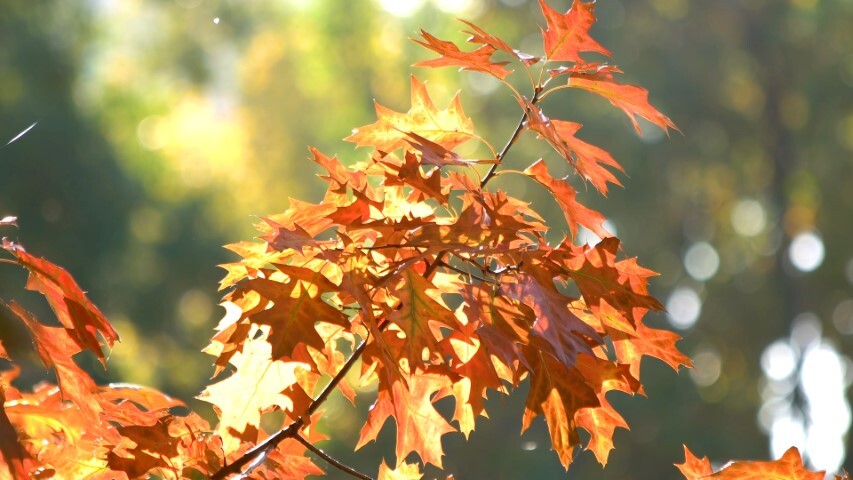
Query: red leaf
[78,315]
[589,161]
[451,56]
[556,330]
[575,213]
[568,34]
[633,100]
[480,36]
[55,347]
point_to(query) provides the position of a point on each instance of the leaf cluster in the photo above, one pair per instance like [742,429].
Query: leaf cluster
[411,273]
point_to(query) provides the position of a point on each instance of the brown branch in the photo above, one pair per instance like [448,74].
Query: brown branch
[469,274]
[257,455]
[494,168]
[331,460]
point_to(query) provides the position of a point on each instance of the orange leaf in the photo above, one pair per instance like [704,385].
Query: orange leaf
[480,36]
[82,319]
[556,330]
[589,161]
[451,56]
[55,347]
[658,343]
[557,393]
[622,284]
[633,100]
[693,467]
[419,425]
[789,467]
[448,128]
[420,307]
[601,422]
[409,173]
[575,213]
[568,34]
[15,462]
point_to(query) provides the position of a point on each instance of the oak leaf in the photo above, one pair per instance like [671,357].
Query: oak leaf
[479,60]
[254,388]
[590,161]
[575,213]
[405,471]
[449,127]
[82,319]
[788,467]
[56,346]
[567,34]
[419,426]
[631,99]
[693,467]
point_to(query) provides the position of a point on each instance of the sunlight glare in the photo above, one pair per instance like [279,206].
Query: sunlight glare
[701,261]
[749,218]
[806,251]
[401,8]
[779,360]
[684,307]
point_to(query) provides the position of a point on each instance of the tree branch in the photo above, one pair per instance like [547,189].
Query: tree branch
[257,455]
[494,168]
[469,274]
[330,460]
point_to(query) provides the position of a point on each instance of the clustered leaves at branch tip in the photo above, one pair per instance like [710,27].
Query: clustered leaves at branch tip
[412,274]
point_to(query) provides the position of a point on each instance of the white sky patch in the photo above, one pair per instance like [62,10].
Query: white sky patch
[586,237]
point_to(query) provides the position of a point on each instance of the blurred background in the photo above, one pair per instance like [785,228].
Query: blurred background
[165,127]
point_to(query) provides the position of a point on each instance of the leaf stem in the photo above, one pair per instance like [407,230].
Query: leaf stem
[331,460]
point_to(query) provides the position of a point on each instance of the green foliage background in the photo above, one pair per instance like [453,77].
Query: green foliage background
[166,127]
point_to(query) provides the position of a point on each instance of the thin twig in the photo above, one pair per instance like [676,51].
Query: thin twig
[356,354]
[469,274]
[491,173]
[329,459]
[255,456]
